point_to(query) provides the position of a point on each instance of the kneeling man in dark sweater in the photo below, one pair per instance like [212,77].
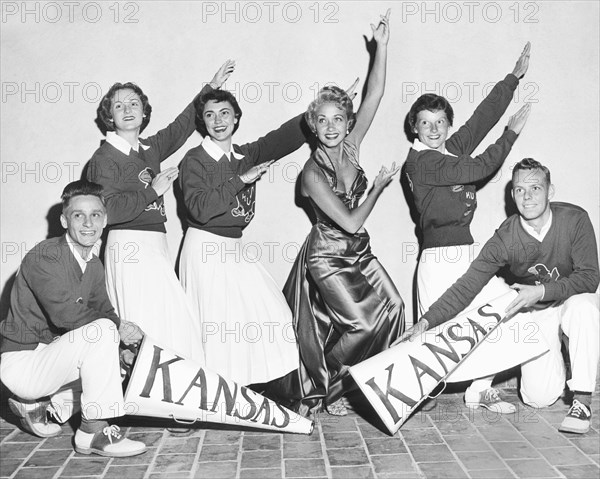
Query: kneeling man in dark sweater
[59,344]
[552,256]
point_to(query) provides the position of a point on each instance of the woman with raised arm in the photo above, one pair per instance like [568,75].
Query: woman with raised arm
[442,176]
[246,323]
[140,278]
[346,308]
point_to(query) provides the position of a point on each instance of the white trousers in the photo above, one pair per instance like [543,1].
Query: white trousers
[543,378]
[79,370]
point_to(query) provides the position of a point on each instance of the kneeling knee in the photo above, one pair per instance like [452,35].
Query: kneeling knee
[539,400]
[101,330]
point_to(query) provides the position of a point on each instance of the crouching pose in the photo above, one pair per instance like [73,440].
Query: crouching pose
[551,251]
[60,342]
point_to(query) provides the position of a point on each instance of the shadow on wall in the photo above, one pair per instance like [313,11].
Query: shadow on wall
[54,229]
[509,205]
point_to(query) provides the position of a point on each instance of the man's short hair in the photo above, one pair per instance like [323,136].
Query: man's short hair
[531,164]
[81,188]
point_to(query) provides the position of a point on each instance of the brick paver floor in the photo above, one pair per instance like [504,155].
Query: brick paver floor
[448,441]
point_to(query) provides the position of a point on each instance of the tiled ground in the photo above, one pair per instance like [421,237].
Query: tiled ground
[448,441]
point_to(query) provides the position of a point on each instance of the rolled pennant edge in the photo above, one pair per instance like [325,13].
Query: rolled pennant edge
[202,418]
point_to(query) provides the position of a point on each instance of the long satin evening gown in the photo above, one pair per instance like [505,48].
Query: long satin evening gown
[345,306]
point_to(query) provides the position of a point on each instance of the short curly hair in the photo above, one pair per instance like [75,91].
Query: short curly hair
[430,102]
[217,96]
[330,94]
[104,118]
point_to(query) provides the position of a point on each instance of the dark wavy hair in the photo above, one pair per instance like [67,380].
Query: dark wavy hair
[430,102]
[104,118]
[531,164]
[81,188]
[217,96]
[330,94]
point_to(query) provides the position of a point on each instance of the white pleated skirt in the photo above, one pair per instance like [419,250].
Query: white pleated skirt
[143,288]
[440,267]
[245,320]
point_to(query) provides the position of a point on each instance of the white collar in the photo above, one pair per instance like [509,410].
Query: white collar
[122,144]
[542,234]
[418,146]
[80,260]
[215,152]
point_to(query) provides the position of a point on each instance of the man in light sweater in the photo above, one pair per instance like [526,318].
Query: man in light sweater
[551,253]
[59,344]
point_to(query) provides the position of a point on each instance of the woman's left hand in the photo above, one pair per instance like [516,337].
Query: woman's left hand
[381,33]
[223,74]
[385,176]
[413,333]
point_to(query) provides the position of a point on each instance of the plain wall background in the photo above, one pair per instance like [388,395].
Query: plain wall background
[59,57]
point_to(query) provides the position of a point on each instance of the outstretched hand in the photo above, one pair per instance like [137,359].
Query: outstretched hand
[523,62]
[254,173]
[385,176]
[528,296]
[381,32]
[412,333]
[223,74]
[517,121]
[130,333]
[351,90]
[163,181]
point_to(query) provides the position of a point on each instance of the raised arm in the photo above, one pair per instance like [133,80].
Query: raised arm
[376,83]
[438,169]
[490,110]
[170,139]
[276,144]
[316,186]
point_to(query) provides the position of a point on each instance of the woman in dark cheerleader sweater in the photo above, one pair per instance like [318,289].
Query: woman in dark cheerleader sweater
[140,278]
[442,176]
[246,322]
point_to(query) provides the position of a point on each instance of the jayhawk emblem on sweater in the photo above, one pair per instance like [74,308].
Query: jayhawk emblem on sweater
[146,176]
[245,207]
[543,274]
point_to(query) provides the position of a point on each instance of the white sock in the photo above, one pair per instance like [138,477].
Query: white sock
[480,385]
[83,439]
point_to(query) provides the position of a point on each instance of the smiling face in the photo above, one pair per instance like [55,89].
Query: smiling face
[127,111]
[532,193]
[331,124]
[432,128]
[84,219]
[219,119]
